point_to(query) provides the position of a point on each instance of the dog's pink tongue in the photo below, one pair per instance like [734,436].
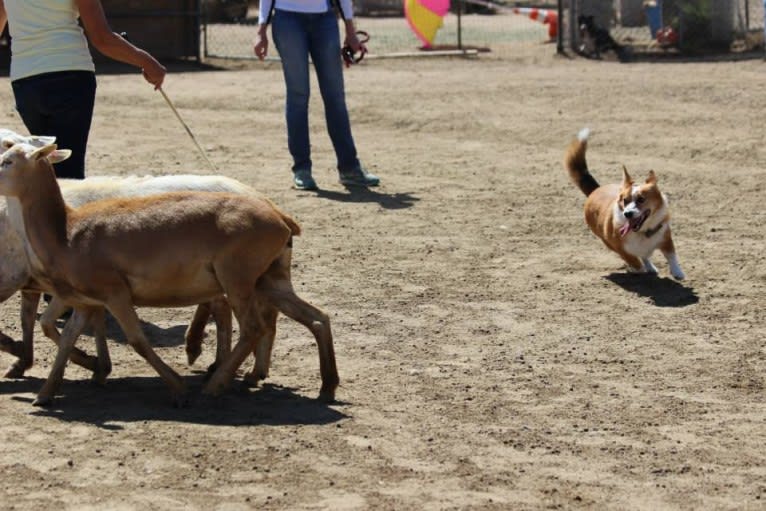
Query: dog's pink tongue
[625,229]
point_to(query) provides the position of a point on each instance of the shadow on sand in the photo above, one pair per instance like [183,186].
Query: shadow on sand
[137,399]
[663,292]
[158,336]
[361,195]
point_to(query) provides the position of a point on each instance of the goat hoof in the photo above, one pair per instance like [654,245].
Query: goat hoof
[43,401]
[251,380]
[210,371]
[15,371]
[99,378]
[192,356]
[326,396]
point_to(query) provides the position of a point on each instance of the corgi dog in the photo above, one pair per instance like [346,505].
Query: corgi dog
[632,219]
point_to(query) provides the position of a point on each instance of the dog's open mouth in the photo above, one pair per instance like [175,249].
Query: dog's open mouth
[634,224]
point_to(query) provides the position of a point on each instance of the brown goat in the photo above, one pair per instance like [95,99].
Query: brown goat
[167,250]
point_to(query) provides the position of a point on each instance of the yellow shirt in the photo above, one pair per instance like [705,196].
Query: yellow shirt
[46,37]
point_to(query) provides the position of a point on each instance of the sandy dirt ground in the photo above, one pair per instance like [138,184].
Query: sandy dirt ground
[493,354]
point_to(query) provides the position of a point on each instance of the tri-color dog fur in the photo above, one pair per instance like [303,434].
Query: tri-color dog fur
[632,219]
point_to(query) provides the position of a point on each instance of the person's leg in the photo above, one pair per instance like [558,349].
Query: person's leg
[325,54]
[70,103]
[29,96]
[60,105]
[290,38]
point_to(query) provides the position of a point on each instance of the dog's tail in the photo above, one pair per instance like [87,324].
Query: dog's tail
[577,166]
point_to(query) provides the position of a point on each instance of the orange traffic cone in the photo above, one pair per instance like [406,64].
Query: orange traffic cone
[544,16]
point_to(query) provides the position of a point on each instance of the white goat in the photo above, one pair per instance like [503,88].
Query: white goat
[9,137]
[170,249]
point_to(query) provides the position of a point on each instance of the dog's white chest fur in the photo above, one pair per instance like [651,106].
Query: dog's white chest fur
[641,245]
[638,243]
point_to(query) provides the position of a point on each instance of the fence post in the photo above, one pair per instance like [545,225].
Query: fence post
[203,18]
[460,6]
[560,32]
[574,9]
[198,29]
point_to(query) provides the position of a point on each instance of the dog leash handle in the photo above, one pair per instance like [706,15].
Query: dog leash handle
[348,53]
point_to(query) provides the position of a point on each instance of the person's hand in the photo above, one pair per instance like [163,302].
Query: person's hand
[261,47]
[352,41]
[154,73]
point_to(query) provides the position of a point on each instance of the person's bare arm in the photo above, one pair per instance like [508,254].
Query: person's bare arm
[113,45]
[3,16]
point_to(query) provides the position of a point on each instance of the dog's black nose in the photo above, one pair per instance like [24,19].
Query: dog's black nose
[628,214]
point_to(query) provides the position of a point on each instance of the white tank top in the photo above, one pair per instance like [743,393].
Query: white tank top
[45,37]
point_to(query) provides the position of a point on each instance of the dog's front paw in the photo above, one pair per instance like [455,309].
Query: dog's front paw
[649,267]
[675,268]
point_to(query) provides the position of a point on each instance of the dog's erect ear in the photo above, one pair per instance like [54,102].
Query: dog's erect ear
[652,179]
[626,179]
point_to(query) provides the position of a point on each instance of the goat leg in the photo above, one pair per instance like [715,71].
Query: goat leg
[195,332]
[122,309]
[48,324]
[72,330]
[23,350]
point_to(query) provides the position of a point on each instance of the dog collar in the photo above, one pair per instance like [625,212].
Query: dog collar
[653,231]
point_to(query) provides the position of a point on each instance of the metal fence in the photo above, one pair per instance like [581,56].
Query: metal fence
[469,25]
[667,27]
[507,29]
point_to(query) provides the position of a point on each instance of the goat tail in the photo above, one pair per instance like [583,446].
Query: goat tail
[292,224]
[295,229]
[576,164]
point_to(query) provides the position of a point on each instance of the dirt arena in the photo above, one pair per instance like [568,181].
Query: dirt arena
[493,354]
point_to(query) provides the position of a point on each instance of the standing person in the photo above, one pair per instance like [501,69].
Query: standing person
[303,28]
[52,71]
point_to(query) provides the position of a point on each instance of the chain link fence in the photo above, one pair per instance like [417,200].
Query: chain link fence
[668,27]
[645,27]
[473,25]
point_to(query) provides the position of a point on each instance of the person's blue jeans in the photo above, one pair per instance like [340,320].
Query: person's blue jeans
[297,36]
[61,105]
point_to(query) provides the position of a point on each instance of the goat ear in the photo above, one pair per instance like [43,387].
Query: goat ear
[59,155]
[51,153]
[626,179]
[42,152]
[40,141]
